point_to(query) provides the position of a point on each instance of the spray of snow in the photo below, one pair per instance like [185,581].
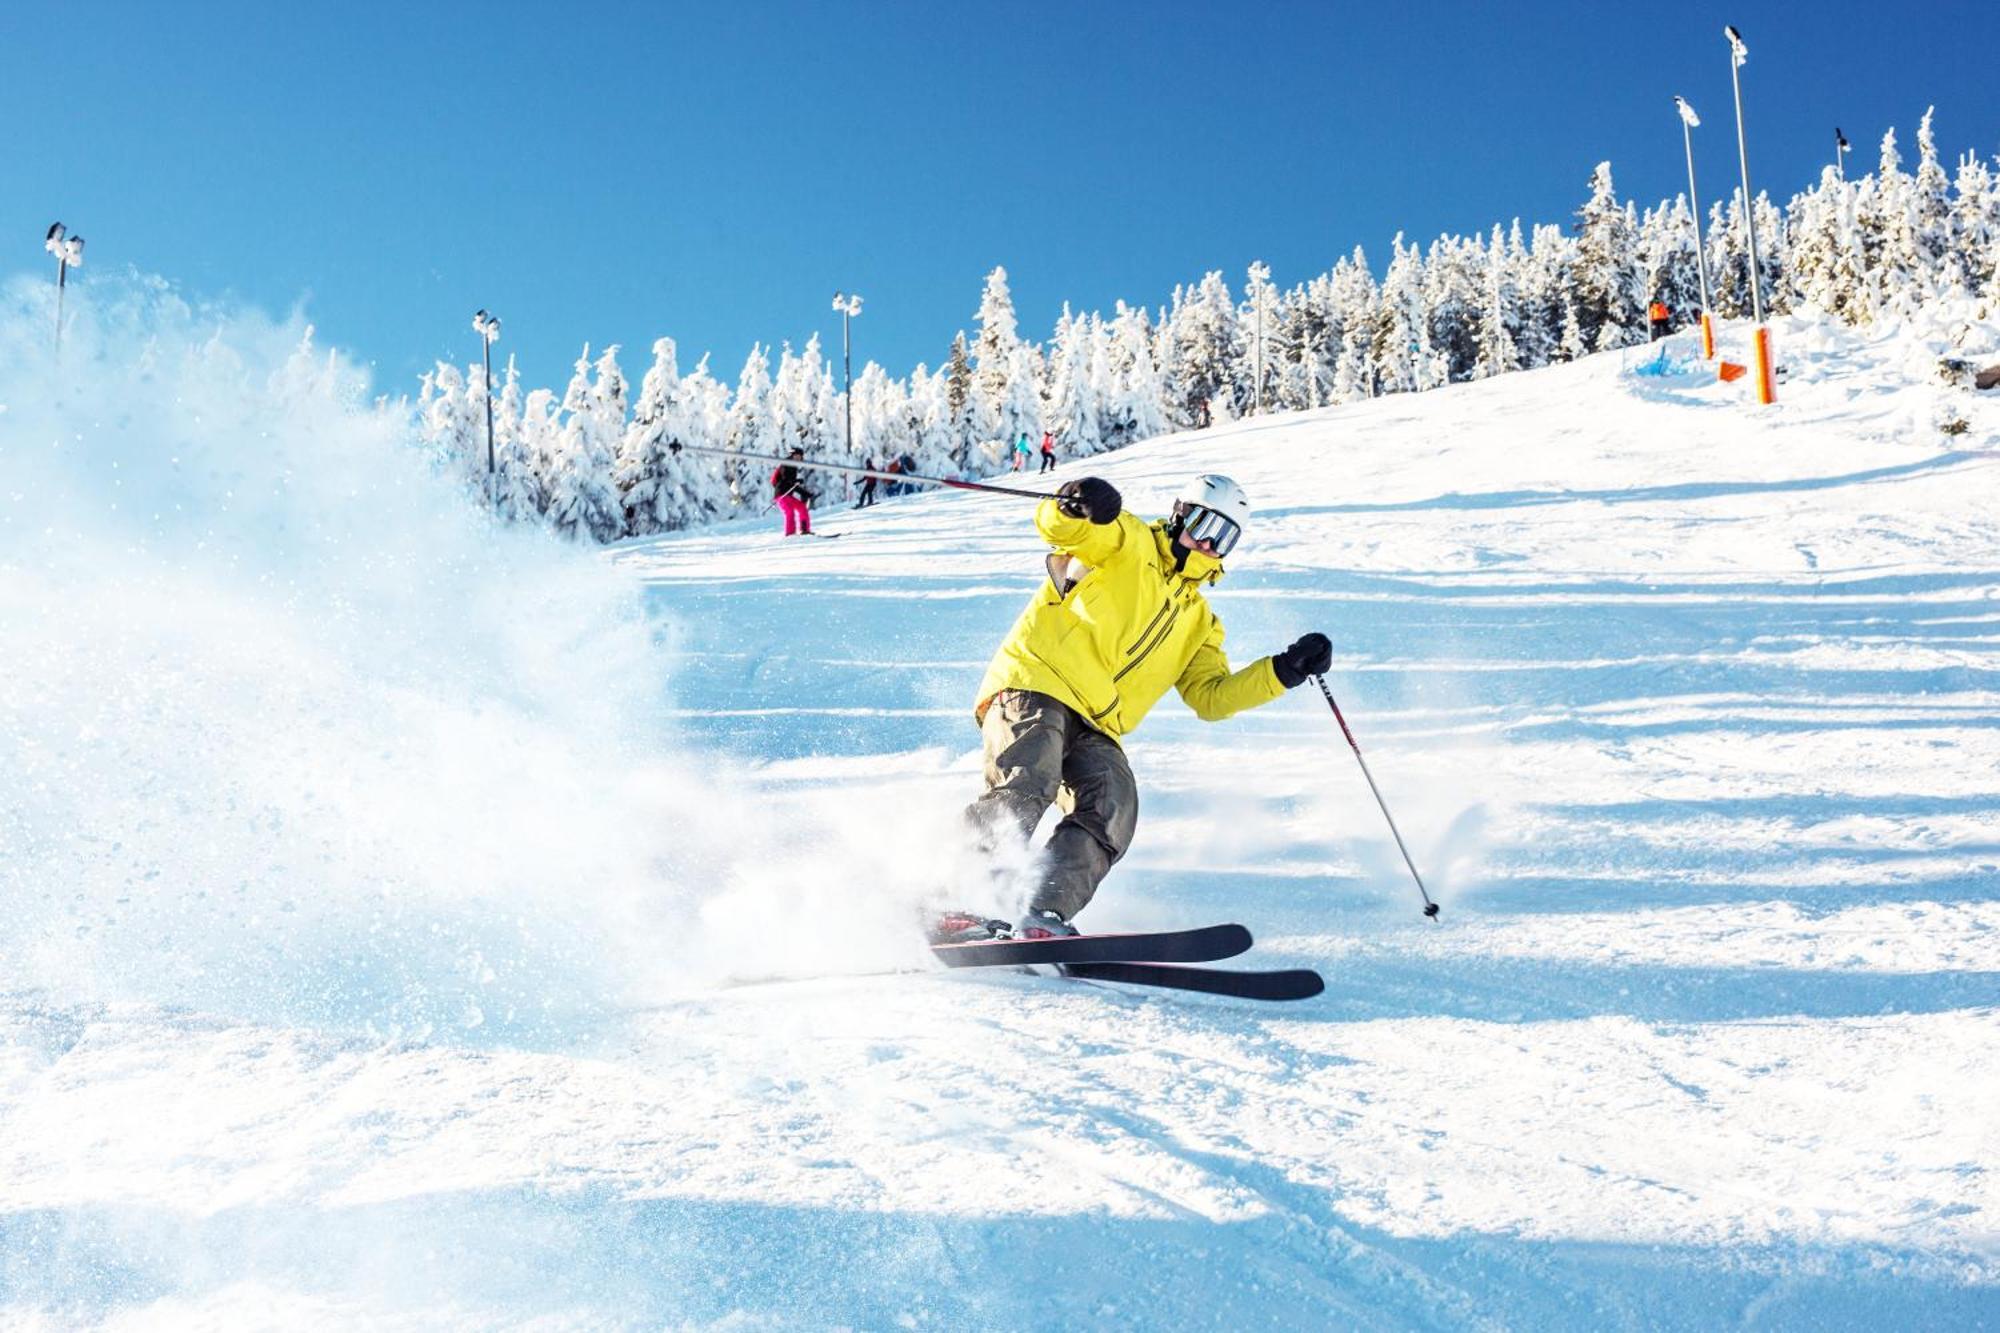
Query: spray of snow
[294,733]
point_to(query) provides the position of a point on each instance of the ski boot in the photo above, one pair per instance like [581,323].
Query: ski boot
[1042,924]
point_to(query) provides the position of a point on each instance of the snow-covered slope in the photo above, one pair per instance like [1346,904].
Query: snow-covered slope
[1687,710]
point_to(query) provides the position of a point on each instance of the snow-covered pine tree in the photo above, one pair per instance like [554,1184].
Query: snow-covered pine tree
[705,417]
[453,416]
[996,400]
[1667,253]
[1259,317]
[1606,274]
[641,463]
[517,495]
[1306,342]
[541,444]
[1826,261]
[1887,238]
[1203,331]
[1071,408]
[1773,249]
[1455,291]
[1495,351]
[752,428]
[1135,408]
[825,423]
[1976,226]
[881,418]
[1547,313]
[1729,258]
[583,501]
[940,431]
[1939,268]
[1355,308]
[959,396]
[1402,358]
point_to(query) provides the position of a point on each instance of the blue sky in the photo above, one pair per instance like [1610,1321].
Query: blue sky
[714,172]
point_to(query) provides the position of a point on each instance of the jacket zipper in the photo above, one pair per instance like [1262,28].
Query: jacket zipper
[1164,607]
[1158,639]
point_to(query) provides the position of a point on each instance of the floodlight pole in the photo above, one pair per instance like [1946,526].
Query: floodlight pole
[488,328]
[1260,275]
[1761,337]
[68,251]
[849,306]
[1688,121]
[1840,147]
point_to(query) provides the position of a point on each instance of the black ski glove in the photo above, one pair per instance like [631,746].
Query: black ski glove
[1310,656]
[1093,498]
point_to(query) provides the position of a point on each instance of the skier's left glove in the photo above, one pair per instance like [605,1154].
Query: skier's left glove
[1310,656]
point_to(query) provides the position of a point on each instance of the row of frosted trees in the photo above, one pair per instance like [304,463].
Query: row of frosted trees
[598,461]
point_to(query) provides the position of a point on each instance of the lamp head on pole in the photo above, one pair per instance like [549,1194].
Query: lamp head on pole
[1736,45]
[67,248]
[486,326]
[847,304]
[1840,141]
[1687,113]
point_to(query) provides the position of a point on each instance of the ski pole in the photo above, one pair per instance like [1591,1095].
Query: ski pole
[863,471]
[1430,908]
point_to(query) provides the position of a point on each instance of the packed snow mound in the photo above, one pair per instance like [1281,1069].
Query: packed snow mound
[1684,706]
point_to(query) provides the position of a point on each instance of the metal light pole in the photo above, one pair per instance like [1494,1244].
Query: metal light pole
[1688,121]
[1260,275]
[849,306]
[1840,147]
[488,328]
[68,251]
[1761,337]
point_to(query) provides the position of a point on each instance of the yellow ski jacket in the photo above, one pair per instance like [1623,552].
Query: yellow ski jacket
[1116,626]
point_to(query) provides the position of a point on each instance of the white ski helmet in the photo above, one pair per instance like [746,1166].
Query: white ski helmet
[1212,508]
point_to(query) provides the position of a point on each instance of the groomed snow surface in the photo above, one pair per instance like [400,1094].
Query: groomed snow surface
[418,927]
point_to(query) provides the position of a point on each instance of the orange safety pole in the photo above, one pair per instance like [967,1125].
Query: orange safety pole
[1707,337]
[1767,392]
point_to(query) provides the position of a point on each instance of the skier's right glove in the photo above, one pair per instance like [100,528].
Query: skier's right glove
[1310,656]
[1093,498]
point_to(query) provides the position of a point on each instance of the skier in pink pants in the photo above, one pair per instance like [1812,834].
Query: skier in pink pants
[793,498]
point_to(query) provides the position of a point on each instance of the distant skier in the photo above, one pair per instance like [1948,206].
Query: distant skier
[1021,452]
[1048,451]
[1120,619]
[1659,318]
[794,500]
[867,485]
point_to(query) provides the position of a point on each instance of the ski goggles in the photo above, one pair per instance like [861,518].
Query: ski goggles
[1207,525]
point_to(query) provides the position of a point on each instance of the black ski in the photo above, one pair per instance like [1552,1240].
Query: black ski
[1204,944]
[1291,984]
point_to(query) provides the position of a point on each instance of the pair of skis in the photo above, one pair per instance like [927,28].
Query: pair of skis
[1144,958]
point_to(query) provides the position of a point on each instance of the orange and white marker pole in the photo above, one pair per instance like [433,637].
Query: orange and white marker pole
[1688,121]
[1761,339]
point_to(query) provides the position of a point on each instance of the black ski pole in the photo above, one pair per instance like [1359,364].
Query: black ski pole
[1430,908]
[916,477]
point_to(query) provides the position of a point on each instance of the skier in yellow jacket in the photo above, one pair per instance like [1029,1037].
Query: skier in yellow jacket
[1120,621]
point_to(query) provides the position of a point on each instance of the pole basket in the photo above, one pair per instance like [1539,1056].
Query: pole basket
[1707,337]
[1767,392]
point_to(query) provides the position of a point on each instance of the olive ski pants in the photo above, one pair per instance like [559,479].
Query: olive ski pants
[1039,753]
